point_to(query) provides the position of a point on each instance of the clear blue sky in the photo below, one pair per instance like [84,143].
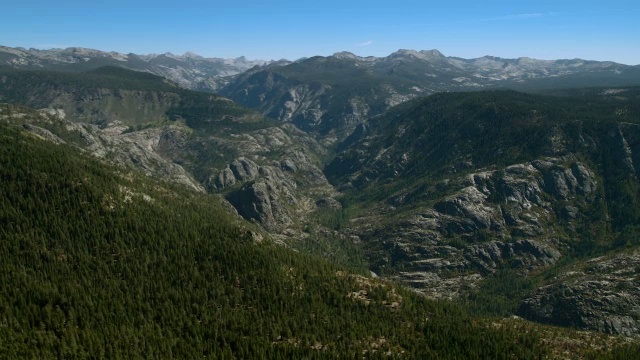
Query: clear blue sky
[598,30]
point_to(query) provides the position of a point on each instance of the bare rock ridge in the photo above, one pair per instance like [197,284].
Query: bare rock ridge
[137,150]
[278,189]
[43,133]
[260,201]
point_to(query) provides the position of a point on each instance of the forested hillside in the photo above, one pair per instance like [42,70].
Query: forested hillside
[100,262]
[499,201]
[107,94]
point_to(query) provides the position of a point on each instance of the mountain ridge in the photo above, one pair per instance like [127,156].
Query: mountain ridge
[190,70]
[328,96]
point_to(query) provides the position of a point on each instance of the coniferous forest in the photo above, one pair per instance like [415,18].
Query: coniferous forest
[101,263]
[320,180]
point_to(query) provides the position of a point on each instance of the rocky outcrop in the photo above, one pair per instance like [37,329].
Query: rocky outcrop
[489,220]
[435,286]
[511,202]
[275,178]
[469,208]
[525,254]
[139,150]
[244,169]
[225,178]
[602,295]
[43,133]
[260,201]
[562,182]
[300,103]
[271,194]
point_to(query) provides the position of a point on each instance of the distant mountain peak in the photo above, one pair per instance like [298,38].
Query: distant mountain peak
[422,55]
[435,53]
[191,55]
[346,55]
[189,70]
[405,52]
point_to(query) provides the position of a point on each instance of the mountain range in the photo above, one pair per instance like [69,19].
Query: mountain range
[189,70]
[508,187]
[329,96]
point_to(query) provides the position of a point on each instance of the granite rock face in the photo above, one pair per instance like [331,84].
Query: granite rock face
[262,201]
[275,178]
[486,220]
[140,150]
[43,133]
[601,295]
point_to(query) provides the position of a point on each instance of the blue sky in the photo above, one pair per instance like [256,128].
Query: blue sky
[598,30]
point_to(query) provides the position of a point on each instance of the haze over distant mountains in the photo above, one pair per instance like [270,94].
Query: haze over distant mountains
[430,70]
[188,70]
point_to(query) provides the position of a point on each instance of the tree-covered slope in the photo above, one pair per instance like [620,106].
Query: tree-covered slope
[102,263]
[107,94]
[451,194]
